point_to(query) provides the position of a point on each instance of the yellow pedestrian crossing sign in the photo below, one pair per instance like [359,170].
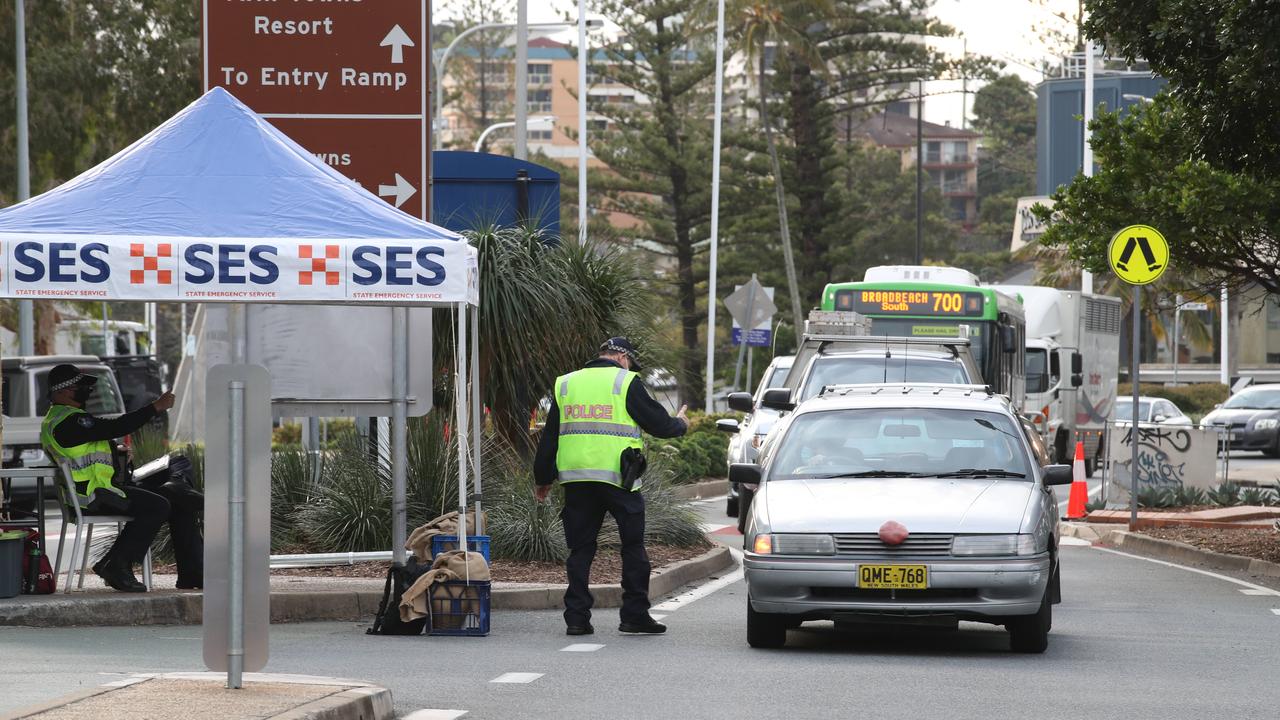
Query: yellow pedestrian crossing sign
[1139,254]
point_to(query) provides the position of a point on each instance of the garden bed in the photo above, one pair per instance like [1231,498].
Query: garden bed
[1259,543]
[606,570]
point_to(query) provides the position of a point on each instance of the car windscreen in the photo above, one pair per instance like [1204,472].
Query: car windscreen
[1257,399]
[836,370]
[1124,410]
[870,442]
[103,401]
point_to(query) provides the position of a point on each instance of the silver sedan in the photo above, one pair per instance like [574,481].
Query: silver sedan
[902,505]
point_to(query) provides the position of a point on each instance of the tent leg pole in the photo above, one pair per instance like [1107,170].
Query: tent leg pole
[460,420]
[399,431]
[477,416]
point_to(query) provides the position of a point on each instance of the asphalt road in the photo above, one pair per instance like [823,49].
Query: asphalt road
[1133,639]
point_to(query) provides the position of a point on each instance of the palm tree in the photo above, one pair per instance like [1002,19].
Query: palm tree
[781,23]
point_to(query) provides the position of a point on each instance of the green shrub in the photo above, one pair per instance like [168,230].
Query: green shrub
[286,434]
[1155,497]
[1196,399]
[1257,496]
[1226,494]
[1184,496]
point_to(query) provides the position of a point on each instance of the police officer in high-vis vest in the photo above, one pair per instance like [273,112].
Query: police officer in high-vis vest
[83,443]
[591,444]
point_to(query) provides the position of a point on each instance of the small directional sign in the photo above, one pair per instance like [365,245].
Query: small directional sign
[1139,254]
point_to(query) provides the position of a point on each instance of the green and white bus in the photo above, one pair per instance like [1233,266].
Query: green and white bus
[920,301]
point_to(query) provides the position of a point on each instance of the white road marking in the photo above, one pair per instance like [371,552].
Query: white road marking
[705,589]
[429,714]
[516,677]
[1073,541]
[1276,611]
[581,647]
[709,501]
[1251,591]
[1260,589]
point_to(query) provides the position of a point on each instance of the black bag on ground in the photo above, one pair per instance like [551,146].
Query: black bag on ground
[387,621]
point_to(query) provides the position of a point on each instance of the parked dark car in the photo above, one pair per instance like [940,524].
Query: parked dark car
[1252,417]
[141,380]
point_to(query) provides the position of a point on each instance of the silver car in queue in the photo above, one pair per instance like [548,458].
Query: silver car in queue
[956,465]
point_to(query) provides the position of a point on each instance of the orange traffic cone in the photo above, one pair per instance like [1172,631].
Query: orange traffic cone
[1079,489]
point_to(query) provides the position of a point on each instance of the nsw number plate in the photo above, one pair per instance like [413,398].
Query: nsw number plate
[893,577]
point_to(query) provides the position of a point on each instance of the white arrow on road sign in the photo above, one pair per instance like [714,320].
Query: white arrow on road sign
[398,40]
[403,190]
[750,305]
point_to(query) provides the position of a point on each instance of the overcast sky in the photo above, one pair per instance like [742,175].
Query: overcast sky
[1008,30]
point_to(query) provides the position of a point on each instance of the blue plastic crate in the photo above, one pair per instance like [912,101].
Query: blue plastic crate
[459,608]
[475,543]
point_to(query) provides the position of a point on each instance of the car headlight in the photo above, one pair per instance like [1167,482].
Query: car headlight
[995,545]
[32,455]
[793,544]
[1266,424]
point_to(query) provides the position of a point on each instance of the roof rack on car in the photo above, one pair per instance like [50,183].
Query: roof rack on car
[905,389]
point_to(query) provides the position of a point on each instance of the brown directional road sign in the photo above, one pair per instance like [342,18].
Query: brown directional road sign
[346,79]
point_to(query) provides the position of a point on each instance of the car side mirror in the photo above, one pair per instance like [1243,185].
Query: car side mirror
[778,399]
[1077,363]
[1077,380]
[744,473]
[1159,418]
[740,401]
[728,425]
[1057,475]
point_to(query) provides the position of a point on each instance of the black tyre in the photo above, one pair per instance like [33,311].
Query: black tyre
[1030,634]
[744,508]
[765,630]
[731,506]
[1273,450]
[1090,465]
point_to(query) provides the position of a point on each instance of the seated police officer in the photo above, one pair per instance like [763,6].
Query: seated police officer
[591,444]
[84,444]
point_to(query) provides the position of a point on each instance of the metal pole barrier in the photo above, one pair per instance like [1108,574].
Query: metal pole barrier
[399,431]
[235,516]
[1177,334]
[1135,428]
[477,417]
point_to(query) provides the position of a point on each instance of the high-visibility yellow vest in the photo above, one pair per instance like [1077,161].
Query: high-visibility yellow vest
[594,425]
[90,463]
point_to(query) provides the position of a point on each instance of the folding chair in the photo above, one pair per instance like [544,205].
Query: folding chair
[72,513]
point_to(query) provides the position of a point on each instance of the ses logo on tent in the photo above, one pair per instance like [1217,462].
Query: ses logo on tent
[213,269]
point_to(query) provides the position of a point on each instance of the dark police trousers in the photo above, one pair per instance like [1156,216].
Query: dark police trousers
[151,509]
[585,504]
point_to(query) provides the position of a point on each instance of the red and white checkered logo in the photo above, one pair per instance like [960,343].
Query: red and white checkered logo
[151,263]
[319,264]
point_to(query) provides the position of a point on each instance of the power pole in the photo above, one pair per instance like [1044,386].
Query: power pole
[26,310]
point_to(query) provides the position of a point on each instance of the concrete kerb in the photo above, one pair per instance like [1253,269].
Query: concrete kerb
[296,697]
[704,489]
[1168,550]
[161,608]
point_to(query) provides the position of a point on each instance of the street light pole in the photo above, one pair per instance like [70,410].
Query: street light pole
[715,212]
[1086,277]
[522,80]
[582,122]
[920,171]
[545,120]
[26,310]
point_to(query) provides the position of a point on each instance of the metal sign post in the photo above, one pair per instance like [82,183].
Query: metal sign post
[237,520]
[1138,255]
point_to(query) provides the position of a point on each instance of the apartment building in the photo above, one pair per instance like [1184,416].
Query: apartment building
[950,157]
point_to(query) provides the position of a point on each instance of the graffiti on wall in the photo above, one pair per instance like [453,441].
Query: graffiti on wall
[1168,456]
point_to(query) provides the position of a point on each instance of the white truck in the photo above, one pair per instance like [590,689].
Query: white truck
[1072,367]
